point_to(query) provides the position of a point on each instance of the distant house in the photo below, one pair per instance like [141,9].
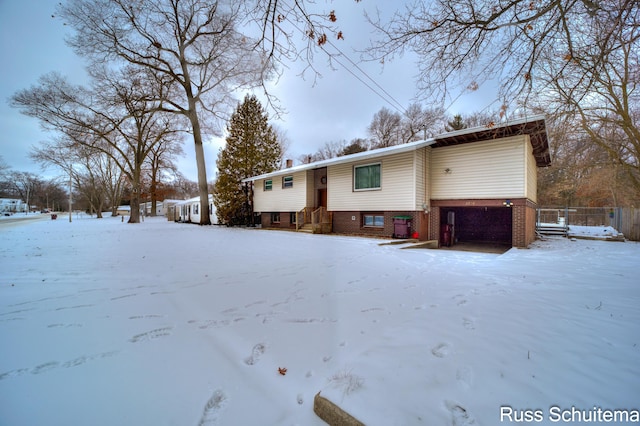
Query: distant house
[12,205]
[189,211]
[123,211]
[475,185]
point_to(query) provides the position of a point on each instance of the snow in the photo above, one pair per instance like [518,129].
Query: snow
[159,323]
[603,232]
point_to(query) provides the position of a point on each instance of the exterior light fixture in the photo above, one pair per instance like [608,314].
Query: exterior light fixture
[507,203]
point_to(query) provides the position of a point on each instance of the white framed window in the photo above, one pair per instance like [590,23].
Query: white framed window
[275,217]
[371,220]
[367,177]
[268,185]
[195,208]
[287,182]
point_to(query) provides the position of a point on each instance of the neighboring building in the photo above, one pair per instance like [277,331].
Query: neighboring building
[123,211]
[161,208]
[189,211]
[469,185]
[12,205]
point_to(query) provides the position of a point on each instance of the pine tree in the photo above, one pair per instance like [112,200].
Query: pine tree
[251,149]
[456,124]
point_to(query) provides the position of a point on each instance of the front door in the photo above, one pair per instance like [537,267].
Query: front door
[322,197]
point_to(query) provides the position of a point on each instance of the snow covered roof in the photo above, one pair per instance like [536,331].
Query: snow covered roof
[191,200]
[365,155]
[534,126]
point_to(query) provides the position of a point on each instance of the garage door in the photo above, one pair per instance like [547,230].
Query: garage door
[479,224]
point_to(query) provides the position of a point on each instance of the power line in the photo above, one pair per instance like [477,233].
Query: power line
[388,99]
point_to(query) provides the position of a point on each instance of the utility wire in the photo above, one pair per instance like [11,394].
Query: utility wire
[388,99]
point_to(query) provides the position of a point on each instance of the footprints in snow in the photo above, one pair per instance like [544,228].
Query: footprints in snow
[256,353]
[459,415]
[51,365]
[441,350]
[212,408]
[152,334]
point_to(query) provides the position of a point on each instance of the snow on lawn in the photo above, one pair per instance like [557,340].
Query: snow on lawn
[107,323]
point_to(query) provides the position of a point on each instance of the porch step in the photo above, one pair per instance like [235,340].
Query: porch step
[307,227]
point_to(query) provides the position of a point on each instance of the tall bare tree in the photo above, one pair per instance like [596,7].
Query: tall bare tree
[192,44]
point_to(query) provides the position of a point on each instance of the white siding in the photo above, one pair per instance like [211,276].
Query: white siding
[398,185]
[281,199]
[422,196]
[532,174]
[487,169]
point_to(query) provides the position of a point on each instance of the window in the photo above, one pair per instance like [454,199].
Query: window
[366,177]
[268,185]
[195,208]
[373,220]
[293,217]
[275,217]
[287,182]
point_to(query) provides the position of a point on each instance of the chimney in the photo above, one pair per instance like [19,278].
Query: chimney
[289,163]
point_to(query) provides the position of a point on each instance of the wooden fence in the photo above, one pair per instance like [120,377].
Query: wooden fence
[630,223]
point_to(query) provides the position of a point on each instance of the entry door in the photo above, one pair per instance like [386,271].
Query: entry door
[322,197]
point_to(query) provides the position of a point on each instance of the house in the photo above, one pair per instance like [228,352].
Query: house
[189,211]
[12,205]
[473,185]
[123,211]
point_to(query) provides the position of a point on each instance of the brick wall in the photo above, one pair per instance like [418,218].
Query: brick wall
[524,223]
[265,221]
[351,223]
[523,220]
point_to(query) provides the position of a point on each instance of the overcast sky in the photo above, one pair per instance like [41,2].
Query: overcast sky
[338,107]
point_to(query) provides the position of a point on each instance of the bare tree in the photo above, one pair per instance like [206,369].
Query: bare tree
[23,185]
[192,45]
[119,117]
[596,88]
[420,123]
[160,161]
[385,129]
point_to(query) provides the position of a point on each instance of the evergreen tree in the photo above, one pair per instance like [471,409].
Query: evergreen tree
[456,124]
[251,149]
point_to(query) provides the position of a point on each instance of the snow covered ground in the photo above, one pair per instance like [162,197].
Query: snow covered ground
[107,323]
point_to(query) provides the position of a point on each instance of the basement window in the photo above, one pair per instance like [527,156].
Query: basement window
[373,221]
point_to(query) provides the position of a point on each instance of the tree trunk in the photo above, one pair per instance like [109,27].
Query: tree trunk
[203,189]
[134,215]
[154,200]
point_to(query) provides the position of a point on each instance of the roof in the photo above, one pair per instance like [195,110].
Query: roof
[534,126]
[191,200]
[365,155]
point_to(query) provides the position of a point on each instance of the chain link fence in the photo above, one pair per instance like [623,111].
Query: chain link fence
[623,219]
